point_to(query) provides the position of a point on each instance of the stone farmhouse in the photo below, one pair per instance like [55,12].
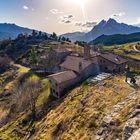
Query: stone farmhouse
[76,68]
[111,63]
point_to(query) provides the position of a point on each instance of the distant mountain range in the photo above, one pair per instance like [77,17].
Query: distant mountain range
[74,36]
[109,27]
[116,39]
[11,30]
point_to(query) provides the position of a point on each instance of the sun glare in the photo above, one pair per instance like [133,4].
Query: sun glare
[78,2]
[81,2]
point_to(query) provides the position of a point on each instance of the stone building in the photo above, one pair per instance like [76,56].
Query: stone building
[75,69]
[61,82]
[82,67]
[109,62]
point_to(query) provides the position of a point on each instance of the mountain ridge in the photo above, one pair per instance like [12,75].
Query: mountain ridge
[74,36]
[109,27]
[8,30]
[116,39]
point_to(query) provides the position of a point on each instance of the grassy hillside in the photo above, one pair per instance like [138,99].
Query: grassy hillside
[77,115]
[44,49]
[127,50]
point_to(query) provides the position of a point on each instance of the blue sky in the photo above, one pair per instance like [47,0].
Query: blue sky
[64,16]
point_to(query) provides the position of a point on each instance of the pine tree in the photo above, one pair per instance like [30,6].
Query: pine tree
[33,57]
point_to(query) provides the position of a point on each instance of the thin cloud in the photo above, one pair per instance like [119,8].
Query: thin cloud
[88,24]
[25,7]
[118,14]
[66,19]
[78,23]
[68,16]
[55,11]
[137,22]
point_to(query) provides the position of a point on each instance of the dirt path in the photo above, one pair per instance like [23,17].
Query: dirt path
[19,66]
[22,69]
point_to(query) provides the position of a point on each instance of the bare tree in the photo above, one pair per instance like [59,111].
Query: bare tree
[32,90]
[25,96]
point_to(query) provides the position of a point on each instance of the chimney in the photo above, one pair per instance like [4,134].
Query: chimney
[86,51]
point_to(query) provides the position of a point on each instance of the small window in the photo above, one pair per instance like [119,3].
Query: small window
[56,84]
[53,91]
[106,68]
[119,69]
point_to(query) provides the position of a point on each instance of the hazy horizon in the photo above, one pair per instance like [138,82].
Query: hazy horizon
[67,15]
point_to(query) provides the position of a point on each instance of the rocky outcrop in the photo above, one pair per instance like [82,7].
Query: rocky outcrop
[136,135]
[108,121]
[132,125]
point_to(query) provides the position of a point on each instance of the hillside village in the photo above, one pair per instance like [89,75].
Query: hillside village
[78,67]
[57,89]
[69,70]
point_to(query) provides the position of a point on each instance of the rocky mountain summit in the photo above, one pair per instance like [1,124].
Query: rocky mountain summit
[109,27]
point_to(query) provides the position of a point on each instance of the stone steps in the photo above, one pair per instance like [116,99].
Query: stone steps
[99,77]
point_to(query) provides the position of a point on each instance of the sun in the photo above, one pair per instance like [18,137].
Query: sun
[80,2]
